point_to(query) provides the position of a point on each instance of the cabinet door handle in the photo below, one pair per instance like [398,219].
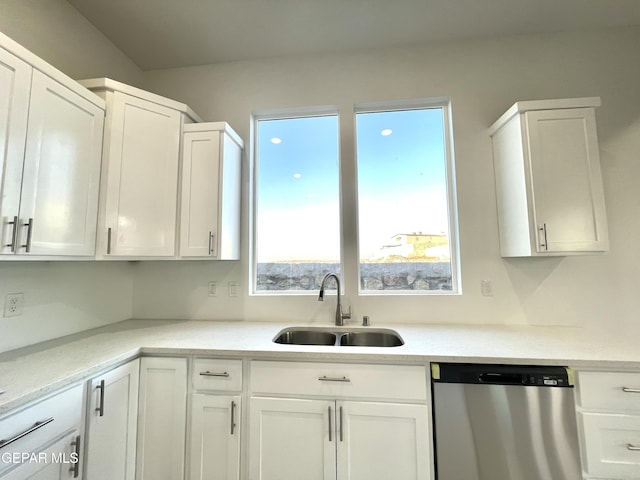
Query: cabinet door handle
[324,378]
[75,468]
[15,438]
[233,417]
[14,234]
[214,374]
[108,240]
[100,408]
[633,448]
[212,243]
[543,229]
[29,225]
[330,423]
[341,432]
[630,390]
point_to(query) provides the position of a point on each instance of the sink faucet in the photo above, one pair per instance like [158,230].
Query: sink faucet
[340,317]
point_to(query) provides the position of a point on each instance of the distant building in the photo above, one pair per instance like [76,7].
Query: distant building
[417,245]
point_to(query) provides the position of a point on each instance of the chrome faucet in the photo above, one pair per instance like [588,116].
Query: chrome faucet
[340,316]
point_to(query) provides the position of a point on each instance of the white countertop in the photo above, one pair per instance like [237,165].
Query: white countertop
[29,373]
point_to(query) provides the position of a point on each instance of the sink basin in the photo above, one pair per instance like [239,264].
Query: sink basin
[365,337]
[387,338]
[294,336]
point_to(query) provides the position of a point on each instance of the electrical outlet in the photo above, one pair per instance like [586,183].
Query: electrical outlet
[486,288]
[13,304]
[213,289]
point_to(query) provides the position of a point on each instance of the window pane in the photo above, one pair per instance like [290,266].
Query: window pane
[402,201]
[297,216]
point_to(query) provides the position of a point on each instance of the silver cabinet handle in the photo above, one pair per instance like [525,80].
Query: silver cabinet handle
[341,436]
[75,468]
[100,408]
[29,225]
[108,240]
[324,378]
[633,448]
[14,234]
[543,229]
[212,243]
[214,374]
[330,423]
[36,426]
[233,417]
[630,390]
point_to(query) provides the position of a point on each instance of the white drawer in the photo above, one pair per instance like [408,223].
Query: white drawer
[44,421]
[617,392]
[217,374]
[337,380]
[612,445]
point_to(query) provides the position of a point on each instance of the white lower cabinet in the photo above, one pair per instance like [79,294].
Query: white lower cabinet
[215,437]
[162,411]
[216,419]
[50,433]
[60,461]
[112,424]
[608,406]
[359,430]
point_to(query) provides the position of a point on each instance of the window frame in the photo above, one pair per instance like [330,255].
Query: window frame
[347,162]
[444,104]
[281,114]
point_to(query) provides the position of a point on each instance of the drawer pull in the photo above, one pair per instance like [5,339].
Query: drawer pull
[630,390]
[233,417]
[214,374]
[633,448]
[36,426]
[341,432]
[324,378]
[330,423]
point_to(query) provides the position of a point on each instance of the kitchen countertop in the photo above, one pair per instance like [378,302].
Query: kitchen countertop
[32,372]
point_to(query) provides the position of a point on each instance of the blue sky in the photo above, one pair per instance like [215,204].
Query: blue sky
[401,182]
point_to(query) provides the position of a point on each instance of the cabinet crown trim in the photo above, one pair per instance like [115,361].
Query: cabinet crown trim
[532,105]
[107,84]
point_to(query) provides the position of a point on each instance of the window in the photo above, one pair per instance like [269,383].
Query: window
[398,201]
[404,229]
[297,202]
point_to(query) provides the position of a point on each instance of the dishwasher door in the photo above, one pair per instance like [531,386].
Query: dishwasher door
[504,423]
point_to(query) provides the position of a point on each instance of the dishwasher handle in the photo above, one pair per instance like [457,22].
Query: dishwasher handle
[501,378]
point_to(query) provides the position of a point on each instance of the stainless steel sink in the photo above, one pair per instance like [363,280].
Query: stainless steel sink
[296,336]
[364,337]
[386,338]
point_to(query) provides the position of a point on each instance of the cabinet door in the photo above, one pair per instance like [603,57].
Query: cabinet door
[162,419]
[142,178]
[215,437]
[57,462]
[292,439]
[111,425]
[200,192]
[567,185]
[15,85]
[379,441]
[228,247]
[61,177]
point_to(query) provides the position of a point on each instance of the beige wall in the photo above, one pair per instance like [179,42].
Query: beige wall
[61,298]
[483,78]
[56,32]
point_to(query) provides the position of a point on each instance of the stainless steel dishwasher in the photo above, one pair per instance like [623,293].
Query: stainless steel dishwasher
[504,422]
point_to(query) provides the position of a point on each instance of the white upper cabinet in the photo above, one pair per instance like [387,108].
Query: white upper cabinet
[139,186]
[549,187]
[51,140]
[210,215]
